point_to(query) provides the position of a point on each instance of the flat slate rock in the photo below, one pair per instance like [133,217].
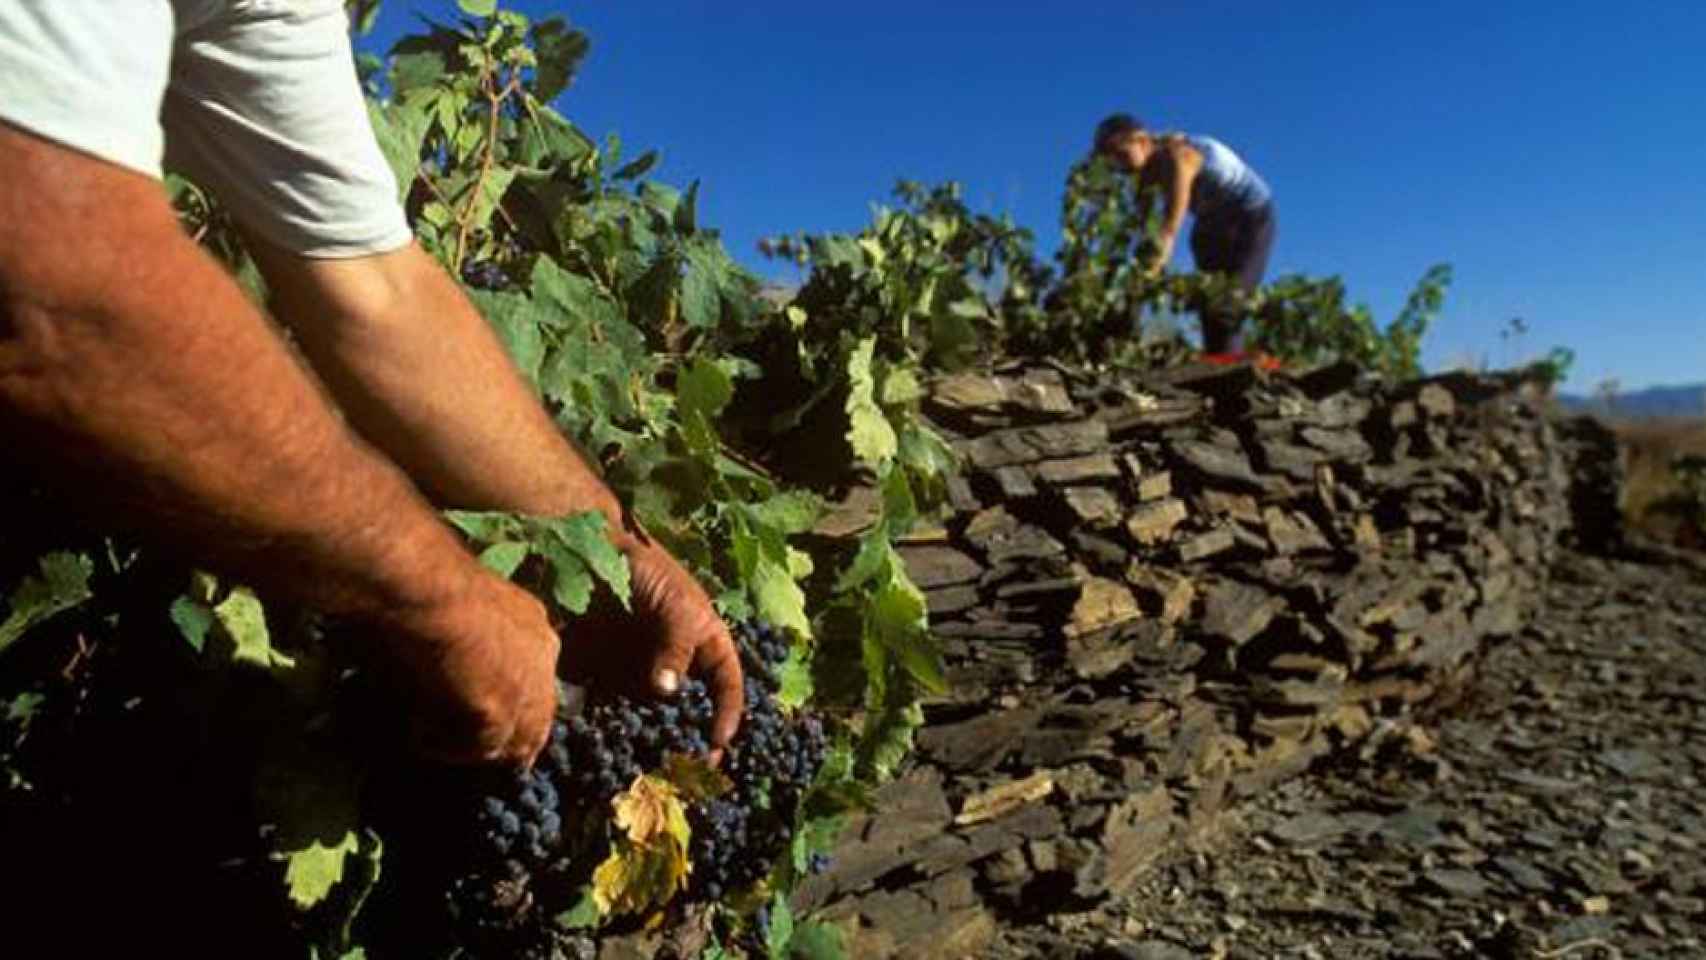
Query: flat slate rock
[1154,522]
[1004,538]
[1101,604]
[1347,445]
[1096,506]
[1217,462]
[938,566]
[1205,545]
[1041,392]
[1238,612]
[1461,884]
[1021,445]
[979,743]
[969,391]
[945,600]
[1074,470]
[1293,460]
[1291,531]
[1015,483]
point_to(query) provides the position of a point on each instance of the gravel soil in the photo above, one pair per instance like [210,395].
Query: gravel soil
[1554,811]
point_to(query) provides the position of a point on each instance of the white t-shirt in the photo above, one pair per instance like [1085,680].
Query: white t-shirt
[257,100]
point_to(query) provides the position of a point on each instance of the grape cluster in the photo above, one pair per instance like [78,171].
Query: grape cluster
[523,823]
[518,822]
[618,738]
[484,275]
[771,764]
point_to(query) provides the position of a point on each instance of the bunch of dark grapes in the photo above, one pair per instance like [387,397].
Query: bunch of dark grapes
[484,275]
[592,757]
[517,835]
[771,764]
[522,823]
[618,738]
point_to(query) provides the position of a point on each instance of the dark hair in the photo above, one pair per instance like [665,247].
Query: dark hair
[1114,128]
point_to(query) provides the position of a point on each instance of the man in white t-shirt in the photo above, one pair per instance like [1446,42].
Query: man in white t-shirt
[134,374]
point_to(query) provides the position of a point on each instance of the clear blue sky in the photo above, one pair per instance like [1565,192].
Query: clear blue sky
[1554,153]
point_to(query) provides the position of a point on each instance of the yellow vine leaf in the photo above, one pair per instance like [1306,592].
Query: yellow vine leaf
[651,809]
[648,864]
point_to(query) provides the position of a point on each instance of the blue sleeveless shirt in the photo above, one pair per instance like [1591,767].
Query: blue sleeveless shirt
[1226,184]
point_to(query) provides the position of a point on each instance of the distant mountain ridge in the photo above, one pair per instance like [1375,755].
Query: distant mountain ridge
[1688,400]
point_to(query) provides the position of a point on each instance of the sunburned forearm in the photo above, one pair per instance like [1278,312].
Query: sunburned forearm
[133,373]
[421,375]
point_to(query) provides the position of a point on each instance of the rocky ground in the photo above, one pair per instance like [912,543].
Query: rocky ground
[1554,812]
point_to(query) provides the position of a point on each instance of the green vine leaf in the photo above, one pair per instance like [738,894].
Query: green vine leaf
[584,915]
[702,390]
[243,620]
[503,558]
[870,434]
[61,583]
[483,526]
[781,932]
[400,129]
[560,49]
[794,679]
[309,790]
[312,871]
[899,620]
[779,597]
[814,940]
[791,512]
[583,535]
[888,738]
[194,621]
[516,322]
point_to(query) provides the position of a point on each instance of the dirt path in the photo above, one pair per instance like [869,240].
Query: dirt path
[1557,812]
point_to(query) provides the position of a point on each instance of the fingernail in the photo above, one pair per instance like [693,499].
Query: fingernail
[667,681]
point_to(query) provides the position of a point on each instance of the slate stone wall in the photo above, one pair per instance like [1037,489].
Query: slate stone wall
[1162,594]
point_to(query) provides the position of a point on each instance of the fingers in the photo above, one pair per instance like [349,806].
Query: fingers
[699,642]
[489,694]
[672,662]
[539,704]
[532,732]
[719,664]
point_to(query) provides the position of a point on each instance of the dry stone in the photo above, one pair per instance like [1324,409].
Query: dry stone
[1293,562]
[1205,545]
[1154,522]
[1095,506]
[1021,445]
[932,567]
[1237,612]
[1073,470]
[1101,604]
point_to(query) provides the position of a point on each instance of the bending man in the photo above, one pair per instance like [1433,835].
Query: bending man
[1234,209]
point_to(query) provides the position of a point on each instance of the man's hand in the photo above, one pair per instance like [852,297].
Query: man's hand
[1163,255]
[684,632]
[483,666]
[671,631]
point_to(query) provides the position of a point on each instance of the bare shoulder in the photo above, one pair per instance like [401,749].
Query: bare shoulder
[1183,153]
